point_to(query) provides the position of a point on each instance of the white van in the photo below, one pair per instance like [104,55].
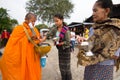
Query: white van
[43,32]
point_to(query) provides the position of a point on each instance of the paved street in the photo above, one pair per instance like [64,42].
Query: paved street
[51,70]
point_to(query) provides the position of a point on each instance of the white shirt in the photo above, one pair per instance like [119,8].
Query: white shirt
[73,36]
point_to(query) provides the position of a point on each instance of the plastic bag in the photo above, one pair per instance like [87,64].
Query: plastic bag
[43,61]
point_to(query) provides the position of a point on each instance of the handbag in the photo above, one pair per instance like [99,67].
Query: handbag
[42,48]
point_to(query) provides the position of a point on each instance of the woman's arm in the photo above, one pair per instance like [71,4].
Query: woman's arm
[117,54]
[80,39]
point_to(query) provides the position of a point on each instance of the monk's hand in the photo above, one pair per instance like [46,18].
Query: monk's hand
[34,37]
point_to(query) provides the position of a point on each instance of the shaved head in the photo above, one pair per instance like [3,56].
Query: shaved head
[29,16]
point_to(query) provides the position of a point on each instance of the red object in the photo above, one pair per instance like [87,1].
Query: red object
[5,34]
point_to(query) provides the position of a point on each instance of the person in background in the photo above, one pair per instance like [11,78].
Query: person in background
[0,41]
[103,26]
[0,45]
[0,37]
[86,33]
[19,60]
[91,31]
[61,37]
[72,39]
[0,53]
[5,36]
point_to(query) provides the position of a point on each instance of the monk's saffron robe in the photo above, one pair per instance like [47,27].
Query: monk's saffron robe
[19,60]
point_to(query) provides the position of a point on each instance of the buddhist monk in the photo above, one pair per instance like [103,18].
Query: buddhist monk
[19,60]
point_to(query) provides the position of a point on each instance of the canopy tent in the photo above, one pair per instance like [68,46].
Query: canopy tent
[115,11]
[79,27]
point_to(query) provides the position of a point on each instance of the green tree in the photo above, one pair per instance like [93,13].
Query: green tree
[45,9]
[41,26]
[4,18]
[14,22]
[5,21]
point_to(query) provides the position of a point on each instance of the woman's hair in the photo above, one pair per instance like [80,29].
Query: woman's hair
[105,3]
[60,16]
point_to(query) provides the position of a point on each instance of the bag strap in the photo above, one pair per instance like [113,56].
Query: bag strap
[29,38]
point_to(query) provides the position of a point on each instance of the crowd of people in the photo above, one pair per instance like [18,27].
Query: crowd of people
[21,62]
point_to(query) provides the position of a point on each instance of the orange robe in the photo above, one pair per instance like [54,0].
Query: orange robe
[19,60]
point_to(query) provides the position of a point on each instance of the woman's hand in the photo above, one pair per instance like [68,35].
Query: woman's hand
[60,44]
[115,57]
[43,39]
[80,39]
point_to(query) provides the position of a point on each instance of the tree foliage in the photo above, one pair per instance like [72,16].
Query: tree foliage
[45,9]
[5,21]
[14,22]
[41,26]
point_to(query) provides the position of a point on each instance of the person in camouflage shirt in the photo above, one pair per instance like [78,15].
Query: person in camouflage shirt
[105,42]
